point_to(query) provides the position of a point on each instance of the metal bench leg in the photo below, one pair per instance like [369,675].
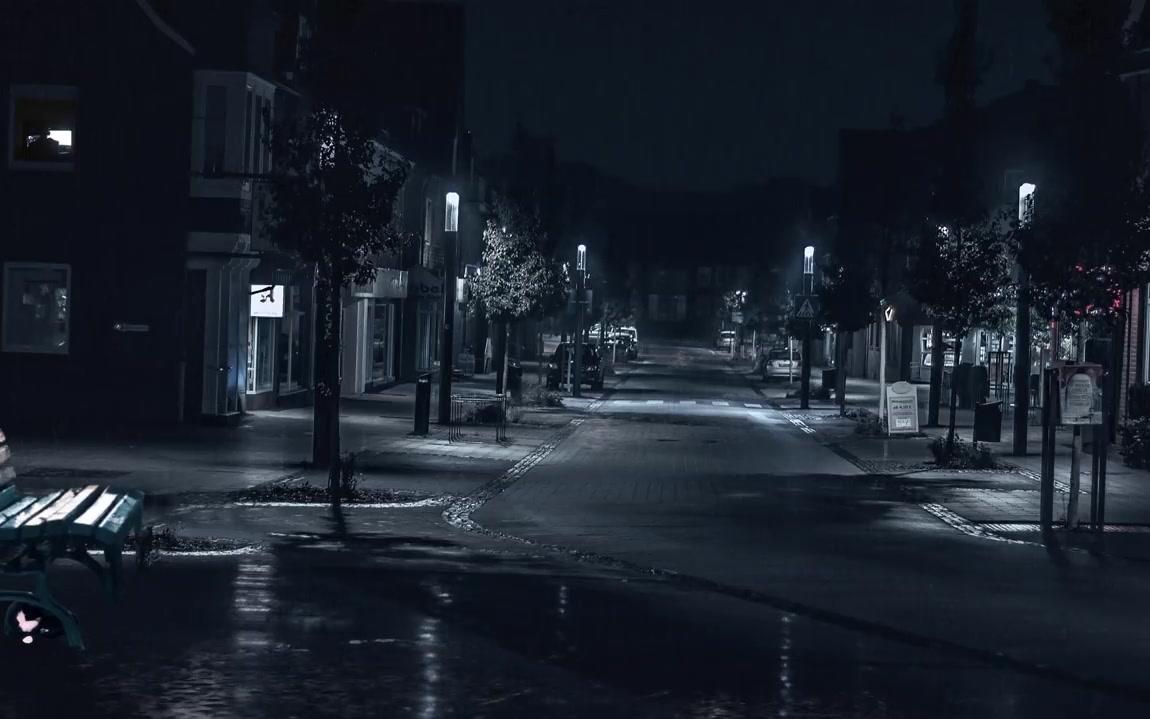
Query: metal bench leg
[43,599]
[113,558]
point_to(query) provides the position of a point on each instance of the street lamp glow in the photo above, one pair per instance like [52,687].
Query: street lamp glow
[1026,202]
[451,214]
[581,258]
[809,260]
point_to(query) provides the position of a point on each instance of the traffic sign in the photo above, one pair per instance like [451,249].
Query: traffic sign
[806,309]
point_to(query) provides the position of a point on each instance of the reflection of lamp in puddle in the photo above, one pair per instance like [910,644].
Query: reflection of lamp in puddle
[562,600]
[429,651]
[253,601]
[785,698]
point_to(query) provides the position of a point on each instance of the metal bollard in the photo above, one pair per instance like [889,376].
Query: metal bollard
[422,404]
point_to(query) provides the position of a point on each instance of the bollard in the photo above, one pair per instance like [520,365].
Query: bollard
[422,404]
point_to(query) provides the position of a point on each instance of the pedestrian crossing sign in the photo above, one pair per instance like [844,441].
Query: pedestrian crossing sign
[806,311]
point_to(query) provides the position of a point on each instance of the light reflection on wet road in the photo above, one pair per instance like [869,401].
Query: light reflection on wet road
[423,629]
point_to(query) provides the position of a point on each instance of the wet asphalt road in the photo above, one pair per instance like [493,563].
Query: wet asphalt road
[395,620]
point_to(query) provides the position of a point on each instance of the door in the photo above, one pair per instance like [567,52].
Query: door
[195,296]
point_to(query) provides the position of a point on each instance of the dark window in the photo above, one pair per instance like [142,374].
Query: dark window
[43,128]
[215,125]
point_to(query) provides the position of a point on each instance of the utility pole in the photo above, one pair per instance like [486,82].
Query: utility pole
[577,343]
[450,270]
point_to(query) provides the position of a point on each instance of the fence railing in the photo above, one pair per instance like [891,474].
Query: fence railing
[478,411]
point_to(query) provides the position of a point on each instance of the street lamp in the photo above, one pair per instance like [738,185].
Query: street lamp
[450,271]
[809,283]
[887,316]
[1022,329]
[577,341]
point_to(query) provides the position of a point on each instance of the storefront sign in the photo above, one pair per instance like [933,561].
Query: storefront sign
[388,284]
[422,284]
[267,300]
[1080,393]
[902,408]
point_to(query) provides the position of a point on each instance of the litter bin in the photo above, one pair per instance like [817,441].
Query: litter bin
[422,403]
[988,421]
[515,378]
[830,379]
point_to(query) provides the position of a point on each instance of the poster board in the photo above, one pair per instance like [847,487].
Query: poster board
[1080,394]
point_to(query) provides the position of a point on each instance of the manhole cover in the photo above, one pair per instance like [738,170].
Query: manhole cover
[71,473]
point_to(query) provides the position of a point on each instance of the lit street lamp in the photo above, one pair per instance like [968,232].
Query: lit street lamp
[450,271]
[809,285]
[1022,330]
[577,340]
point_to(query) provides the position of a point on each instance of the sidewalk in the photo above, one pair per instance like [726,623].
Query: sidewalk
[272,445]
[1005,500]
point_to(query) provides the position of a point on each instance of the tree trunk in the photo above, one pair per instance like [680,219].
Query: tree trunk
[841,371]
[906,349]
[953,400]
[500,355]
[937,360]
[325,420]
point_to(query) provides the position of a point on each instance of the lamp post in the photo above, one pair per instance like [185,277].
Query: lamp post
[1022,330]
[887,316]
[450,270]
[577,341]
[809,288]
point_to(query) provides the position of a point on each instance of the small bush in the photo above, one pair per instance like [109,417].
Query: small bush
[1135,447]
[539,396]
[868,424]
[965,455]
[1138,401]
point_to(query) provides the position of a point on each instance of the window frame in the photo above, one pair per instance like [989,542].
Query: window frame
[5,276]
[41,92]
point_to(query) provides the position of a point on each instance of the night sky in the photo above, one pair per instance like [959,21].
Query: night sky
[709,94]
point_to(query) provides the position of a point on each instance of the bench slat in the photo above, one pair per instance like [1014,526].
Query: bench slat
[8,492]
[85,525]
[20,504]
[11,527]
[65,510]
[115,526]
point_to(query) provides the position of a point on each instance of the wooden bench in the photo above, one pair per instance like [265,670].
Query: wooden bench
[38,529]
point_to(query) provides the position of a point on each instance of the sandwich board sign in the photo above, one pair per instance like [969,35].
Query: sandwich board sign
[902,408]
[1080,393]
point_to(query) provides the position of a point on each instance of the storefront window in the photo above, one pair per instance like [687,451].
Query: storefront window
[381,341]
[37,307]
[261,347]
[427,337]
[292,360]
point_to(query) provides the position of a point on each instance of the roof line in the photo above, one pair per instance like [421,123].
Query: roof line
[164,27]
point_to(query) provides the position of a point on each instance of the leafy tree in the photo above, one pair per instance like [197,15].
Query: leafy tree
[848,304]
[516,281]
[963,281]
[1089,239]
[333,192]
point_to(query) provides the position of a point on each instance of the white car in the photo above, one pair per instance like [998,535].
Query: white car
[778,364]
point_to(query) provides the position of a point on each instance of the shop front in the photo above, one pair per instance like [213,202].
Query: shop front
[373,332]
[279,337]
[425,292]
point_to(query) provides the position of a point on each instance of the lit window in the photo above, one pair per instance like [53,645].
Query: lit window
[37,307]
[43,127]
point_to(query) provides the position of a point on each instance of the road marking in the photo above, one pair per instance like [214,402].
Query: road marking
[962,525]
[654,401]
[753,406]
[720,403]
[686,401]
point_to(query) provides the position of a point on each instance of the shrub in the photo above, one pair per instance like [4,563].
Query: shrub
[965,455]
[1138,401]
[868,424]
[539,396]
[1135,447]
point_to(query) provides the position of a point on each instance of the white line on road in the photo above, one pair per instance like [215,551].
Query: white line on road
[719,403]
[753,406]
[654,401]
[960,523]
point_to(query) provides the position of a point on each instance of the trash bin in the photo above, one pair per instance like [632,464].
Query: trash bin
[830,378]
[515,378]
[422,403]
[988,421]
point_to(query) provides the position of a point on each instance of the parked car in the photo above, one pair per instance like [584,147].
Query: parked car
[625,346]
[780,363]
[592,366]
[726,338]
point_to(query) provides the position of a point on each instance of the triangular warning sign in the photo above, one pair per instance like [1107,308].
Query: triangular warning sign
[806,312]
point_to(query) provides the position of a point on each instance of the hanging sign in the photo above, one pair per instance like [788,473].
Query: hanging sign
[902,408]
[1080,393]
[267,301]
